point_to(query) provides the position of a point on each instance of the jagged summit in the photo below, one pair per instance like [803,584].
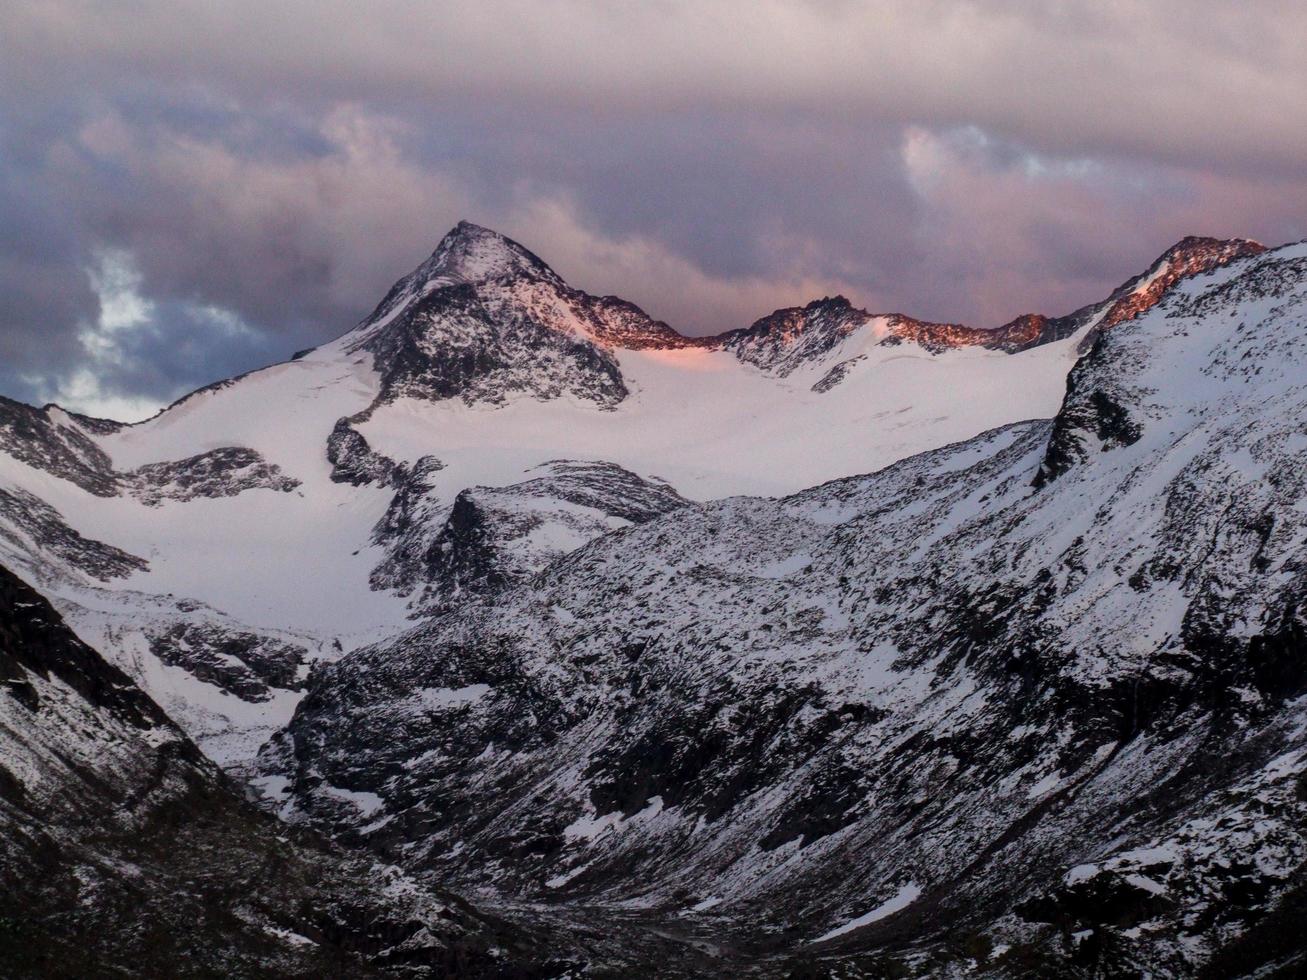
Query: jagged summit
[470,253]
[1192,246]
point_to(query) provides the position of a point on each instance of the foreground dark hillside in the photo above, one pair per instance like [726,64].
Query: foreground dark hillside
[124,853]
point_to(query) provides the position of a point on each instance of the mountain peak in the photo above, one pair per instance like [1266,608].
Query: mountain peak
[1194,244]
[470,253]
[1191,255]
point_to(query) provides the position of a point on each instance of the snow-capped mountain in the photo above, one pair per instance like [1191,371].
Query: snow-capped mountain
[1045,681]
[176,544]
[524,590]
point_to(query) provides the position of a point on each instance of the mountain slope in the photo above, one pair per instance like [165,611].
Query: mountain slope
[124,852]
[271,522]
[1038,693]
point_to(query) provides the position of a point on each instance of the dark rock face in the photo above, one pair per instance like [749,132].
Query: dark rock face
[1021,333]
[1064,723]
[490,537]
[1094,413]
[462,558]
[789,338]
[46,530]
[122,851]
[244,664]
[222,472]
[835,375]
[1101,409]
[353,460]
[57,442]
[406,527]
[35,646]
[498,535]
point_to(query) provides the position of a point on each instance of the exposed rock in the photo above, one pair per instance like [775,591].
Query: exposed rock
[33,527]
[483,320]
[354,461]
[218,473]
[493,536]
[406,528]
[58,443]
[786,339]
[240,663]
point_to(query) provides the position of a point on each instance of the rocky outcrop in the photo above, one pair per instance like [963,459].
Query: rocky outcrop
[63,444]
[406,528]
[222,472]
[248,665]
[491,537]
[59,443]
[787,339]
[354,461]
[34,528]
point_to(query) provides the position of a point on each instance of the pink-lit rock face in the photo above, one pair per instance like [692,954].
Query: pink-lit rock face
[783,339]
[1187,257]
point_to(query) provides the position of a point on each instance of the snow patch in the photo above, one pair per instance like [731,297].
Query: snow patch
[905,896]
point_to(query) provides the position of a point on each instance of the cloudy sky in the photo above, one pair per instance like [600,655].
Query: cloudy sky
[190,189]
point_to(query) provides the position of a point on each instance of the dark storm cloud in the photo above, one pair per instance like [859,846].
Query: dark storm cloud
[258,174]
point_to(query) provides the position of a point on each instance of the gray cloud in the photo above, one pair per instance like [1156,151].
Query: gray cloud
[1181,79]
[276,168]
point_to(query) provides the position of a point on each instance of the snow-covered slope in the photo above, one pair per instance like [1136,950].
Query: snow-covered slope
[295,509]
[1030,700]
